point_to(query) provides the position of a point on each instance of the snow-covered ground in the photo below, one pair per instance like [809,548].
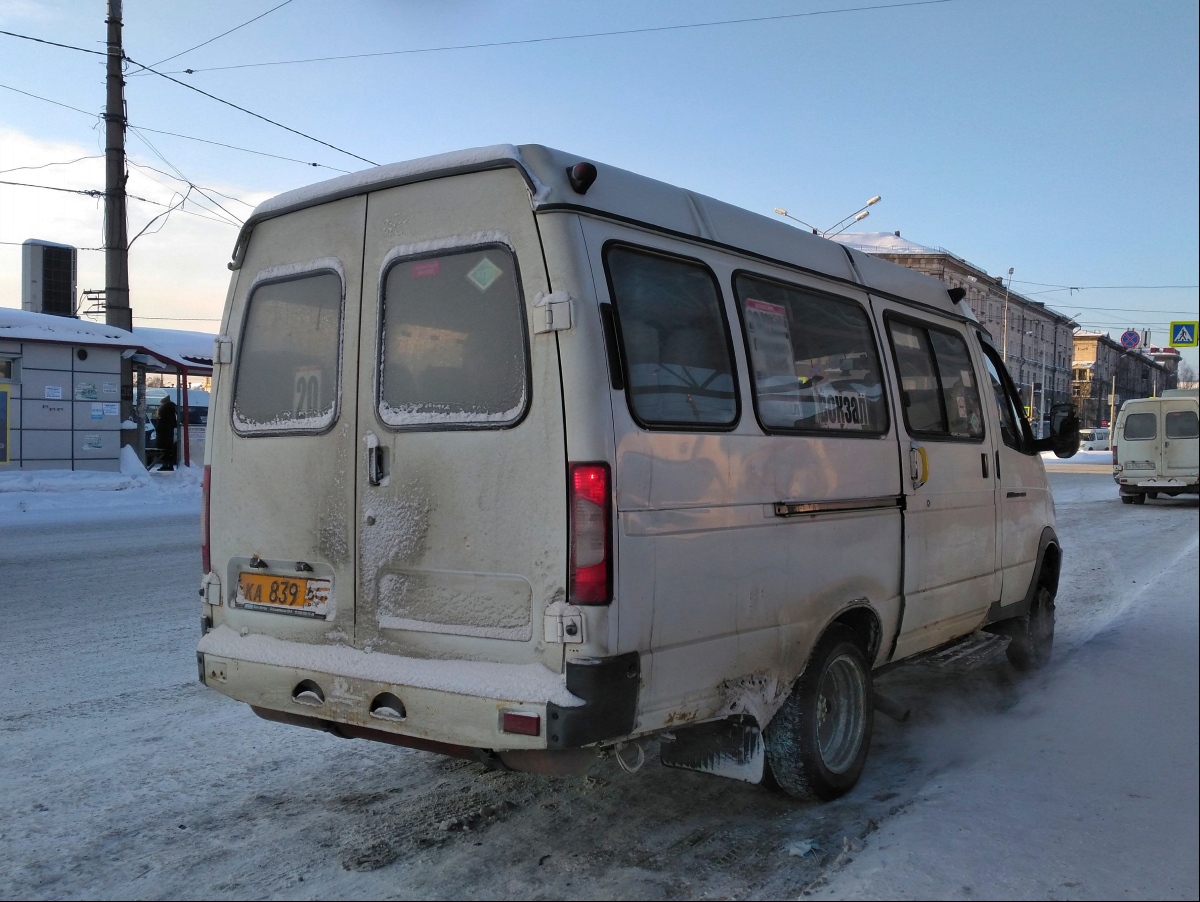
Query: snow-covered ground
[122,777]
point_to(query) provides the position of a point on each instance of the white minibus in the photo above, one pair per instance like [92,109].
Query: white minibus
[521,457]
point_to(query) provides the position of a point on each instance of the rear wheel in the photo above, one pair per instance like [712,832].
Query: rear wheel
[1139,498]
[817,742]
[1127,499]
[1033,634]
[1152,495]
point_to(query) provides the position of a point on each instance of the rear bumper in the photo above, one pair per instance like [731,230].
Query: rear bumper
[444,703]
[1131,483]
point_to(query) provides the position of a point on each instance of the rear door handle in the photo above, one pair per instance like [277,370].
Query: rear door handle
[983,462]
[376,461]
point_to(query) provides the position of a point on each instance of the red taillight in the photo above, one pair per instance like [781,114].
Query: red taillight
[205,489]
[590,505]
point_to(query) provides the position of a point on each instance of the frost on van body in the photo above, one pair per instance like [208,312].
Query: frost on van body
[530,683]
[451,242]
[410,169]
[394,527]
[760,695]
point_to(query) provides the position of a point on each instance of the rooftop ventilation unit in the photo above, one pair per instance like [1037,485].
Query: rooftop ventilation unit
[48,277]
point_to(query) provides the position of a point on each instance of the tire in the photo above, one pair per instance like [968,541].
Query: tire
[1127,499]
[1152,495]
[817,742]
[1139,498]
[1033,634]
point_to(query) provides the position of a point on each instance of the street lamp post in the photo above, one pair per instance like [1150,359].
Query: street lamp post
[1004,341]
[857,216]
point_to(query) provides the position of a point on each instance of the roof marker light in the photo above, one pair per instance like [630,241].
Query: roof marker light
[581,176]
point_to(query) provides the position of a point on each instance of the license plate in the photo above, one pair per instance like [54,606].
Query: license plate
[287,594]
[1139,465]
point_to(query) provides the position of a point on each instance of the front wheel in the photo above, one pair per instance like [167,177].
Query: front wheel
[817,742]
[1033,634]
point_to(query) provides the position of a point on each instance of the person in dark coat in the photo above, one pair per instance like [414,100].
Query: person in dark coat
[166,418]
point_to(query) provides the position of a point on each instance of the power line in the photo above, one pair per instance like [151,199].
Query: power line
[264,118]
[48,165]
[260,153]
[157,131]
[20,243]
[98,194]
[1052,286]
[48,100]
[224,33]
[26,37]
[572,37]
[294,131]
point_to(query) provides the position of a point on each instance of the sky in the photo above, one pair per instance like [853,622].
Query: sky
[1055,137]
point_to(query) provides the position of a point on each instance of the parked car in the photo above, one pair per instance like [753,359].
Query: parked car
[1094,439]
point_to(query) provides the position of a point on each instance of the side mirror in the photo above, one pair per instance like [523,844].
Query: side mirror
[1064,431]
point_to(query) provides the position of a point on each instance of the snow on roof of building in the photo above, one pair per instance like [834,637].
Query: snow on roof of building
[185,350]
[883,242]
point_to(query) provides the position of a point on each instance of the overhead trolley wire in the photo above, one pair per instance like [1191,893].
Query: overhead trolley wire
[224,33]
[158,131]
[250,112]
[572,37]
[228,103]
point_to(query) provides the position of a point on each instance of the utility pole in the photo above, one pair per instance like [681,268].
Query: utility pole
[117,311]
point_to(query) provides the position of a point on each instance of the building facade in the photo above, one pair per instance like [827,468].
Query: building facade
[1104,375]
[1036,342]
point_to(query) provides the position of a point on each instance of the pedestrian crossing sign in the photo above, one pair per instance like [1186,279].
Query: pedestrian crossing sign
[1183,334]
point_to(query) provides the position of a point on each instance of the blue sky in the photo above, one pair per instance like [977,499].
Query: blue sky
[1058,138]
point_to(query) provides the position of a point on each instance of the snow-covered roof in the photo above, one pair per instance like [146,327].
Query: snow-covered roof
[177,349]
[883,242]
[628,196]
[189,348]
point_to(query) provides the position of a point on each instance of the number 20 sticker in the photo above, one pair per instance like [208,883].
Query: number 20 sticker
[306,391]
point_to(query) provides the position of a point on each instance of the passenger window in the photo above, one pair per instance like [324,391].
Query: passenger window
[674,340]
[814,360]
[288,362]
[1013,431]
[938,387]
[453,349]
[1141,427]
[1183,424]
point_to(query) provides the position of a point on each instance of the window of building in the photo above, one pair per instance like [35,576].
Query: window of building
[674,340]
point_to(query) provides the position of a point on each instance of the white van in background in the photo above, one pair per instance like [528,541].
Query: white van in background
[1094,439]
[523,458]
[1156,447]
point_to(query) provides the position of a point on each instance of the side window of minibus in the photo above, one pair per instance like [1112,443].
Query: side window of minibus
[938,386]
[674,340]
[814,361]
[1013,430]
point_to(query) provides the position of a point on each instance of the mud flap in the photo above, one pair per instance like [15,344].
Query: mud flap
[727,748]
